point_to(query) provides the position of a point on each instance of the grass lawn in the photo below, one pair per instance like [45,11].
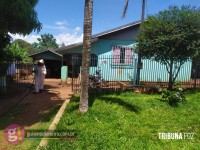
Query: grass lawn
[10,118]
[130,121]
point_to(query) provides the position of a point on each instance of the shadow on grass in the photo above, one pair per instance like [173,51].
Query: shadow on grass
[172,103]
[120,102]
[75,103]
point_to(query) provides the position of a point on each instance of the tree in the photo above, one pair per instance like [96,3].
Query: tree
[171,38]
[15,52]
[17,16]
[25,45]
[88,11]
[46,41]
[62,44]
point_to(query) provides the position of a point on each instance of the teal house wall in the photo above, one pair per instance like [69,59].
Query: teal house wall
[103,49]
[153,71]
[111,72]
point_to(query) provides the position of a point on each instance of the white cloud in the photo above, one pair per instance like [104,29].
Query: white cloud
[67,39]
[77,29]
[61,28]
[61,23]
[61,32]
[29,38]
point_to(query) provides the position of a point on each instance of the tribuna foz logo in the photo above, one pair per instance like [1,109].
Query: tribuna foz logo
[176,136]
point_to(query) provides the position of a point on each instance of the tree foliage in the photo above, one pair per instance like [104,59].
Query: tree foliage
[171,38]
[62,44]
[46,41]
[25,45]
[15,52]
[17,16]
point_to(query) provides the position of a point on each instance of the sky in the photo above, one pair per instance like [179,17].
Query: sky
[64,18]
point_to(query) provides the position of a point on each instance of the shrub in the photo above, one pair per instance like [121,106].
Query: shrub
[173,97]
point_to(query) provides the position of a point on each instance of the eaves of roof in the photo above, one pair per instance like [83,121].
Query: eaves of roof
[116,29]
[73,45]
[42,51]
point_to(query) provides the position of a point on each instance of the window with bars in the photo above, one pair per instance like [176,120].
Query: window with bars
[122,55]
[76,60]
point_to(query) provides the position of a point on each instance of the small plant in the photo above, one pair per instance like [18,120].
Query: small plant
[173,97]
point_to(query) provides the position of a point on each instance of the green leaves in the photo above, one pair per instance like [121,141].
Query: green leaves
[173,97]
[170,33]
[17,16]
[15,52]
[173,35]
[46,41]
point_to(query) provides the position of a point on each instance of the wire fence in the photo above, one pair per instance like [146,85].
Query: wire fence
[14,77]
[106,73]
[156,74]
[111,73]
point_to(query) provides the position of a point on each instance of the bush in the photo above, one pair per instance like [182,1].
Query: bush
[173,97]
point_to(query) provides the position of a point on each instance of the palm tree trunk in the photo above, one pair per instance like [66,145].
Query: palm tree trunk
[88,11]
[125,9]
[139,55]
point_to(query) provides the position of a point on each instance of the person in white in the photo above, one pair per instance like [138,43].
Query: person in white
[40,72]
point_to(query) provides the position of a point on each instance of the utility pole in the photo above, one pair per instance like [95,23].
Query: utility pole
[139,64]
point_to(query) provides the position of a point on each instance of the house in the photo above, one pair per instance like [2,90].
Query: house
[113,53]
[53,61]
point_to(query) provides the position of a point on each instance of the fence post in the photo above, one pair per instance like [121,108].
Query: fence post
[195,74]
[72,83]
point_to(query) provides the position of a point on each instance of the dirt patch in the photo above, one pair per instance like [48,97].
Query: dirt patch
[38,107]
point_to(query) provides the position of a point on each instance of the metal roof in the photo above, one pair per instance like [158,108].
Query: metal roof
[73,45]
[116,29]
[42,51]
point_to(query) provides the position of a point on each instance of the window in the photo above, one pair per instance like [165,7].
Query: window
[122,55]
[93,60]
[76,60]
